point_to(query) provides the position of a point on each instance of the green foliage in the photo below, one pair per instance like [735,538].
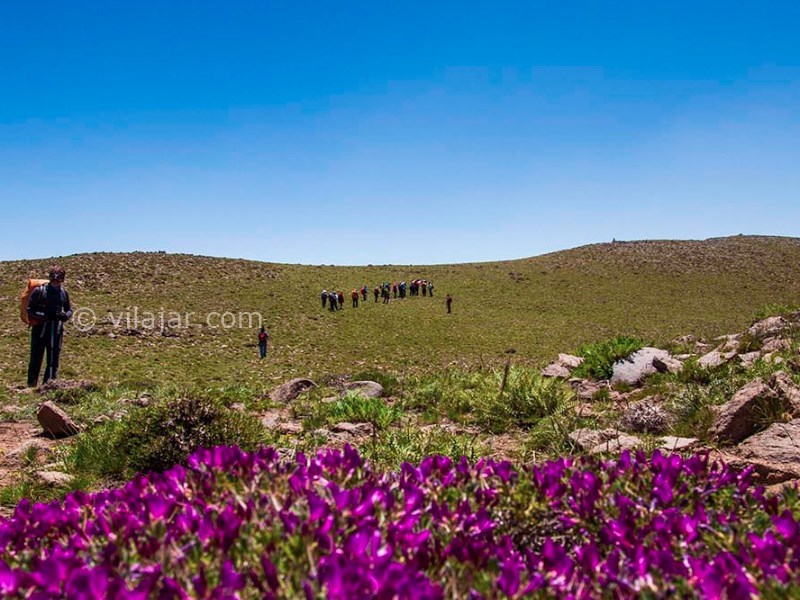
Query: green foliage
[774,310]
[358,409]
[158,437]
[411,444]
[599,357]
[390,383]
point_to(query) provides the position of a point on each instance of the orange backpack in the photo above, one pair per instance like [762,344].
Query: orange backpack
[26,294]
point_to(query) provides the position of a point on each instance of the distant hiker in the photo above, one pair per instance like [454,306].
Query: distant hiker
[385,295]
[430,289]
[424,287]
[332,300]
[364,292]
[394,290]
[402,289]
[324,297]
[263,338]
[341,300]
[48,309]
[355,298]
[376,291]
[449,302]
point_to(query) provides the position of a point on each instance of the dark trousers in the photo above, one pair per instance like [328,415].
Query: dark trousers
[355,302]
[44,338]
[262,348]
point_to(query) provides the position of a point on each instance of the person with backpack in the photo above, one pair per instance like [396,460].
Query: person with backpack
[324,297]
[48,308]
[332,300]
[376,291]
[449,302]
[354,295]
[430,289]
[364,292]
[263,338]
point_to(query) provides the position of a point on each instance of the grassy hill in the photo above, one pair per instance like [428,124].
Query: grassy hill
[537,306]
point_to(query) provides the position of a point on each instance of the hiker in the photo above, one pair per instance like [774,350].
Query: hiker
[430,289]
[385,295]
[364,292]
[355,298]
[402,289]
[424,288]
[332,301]
[376,291]
[48,309]
[263,338]
[449,302]
[324,297]
[341,300]
[394,290]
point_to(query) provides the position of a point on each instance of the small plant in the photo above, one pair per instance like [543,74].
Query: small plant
[774,310]
[358,409]
[646,416]
[599,358]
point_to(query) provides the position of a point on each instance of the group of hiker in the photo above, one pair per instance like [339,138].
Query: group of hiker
[385,291]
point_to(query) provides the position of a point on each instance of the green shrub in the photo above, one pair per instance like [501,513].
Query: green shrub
[160,436]
[358,409]
[774,310]
[397,446]
[599,357]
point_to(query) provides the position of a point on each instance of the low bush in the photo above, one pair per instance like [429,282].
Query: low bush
[599,357]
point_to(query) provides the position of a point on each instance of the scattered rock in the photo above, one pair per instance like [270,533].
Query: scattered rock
[291,390]
[775,452]
[767,327]
[67,384]
[672,443]
[556,369]
[55,421]
[365,389]
[637,366]
[783,384]
[623,442]
[749,358]
[586,389]
[570,361]
[646,416]
[54,478]
[772,358]
[730,343]
[586,438]
[775,344]
[42,448]
[238,407]
[667,364]
[290,428]
[354,429]
[738,418]
[715,358]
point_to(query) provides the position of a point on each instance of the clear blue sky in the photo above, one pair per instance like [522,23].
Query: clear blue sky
[402,132]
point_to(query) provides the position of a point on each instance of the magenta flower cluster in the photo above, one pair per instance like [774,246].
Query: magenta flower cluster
[232,524]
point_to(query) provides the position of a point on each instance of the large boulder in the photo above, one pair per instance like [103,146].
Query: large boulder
[55,421]
[365,389]
[290,390]
[775,451]
[739,417]
[767,327]
[637,366]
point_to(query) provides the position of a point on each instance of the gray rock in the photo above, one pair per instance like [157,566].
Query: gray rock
[354,429]
[586,438]
[775,451]
[54,478]
[570,361]
[767,327]
[637,366]
[55,421]
[668,364]
[672,443]
[775,344]
[365,389]
[787,389]
[749,358]
[618,444]
[291,389]
[586,389]
[715,358]
[738,418]
[556,369]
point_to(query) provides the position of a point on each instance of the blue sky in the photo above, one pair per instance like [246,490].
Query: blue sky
[394,132]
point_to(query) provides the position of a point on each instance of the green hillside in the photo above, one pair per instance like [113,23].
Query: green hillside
[537,307]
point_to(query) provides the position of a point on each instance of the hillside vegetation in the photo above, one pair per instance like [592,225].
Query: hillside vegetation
[536,307]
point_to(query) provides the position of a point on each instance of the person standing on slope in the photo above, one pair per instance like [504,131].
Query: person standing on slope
[48,309]
[324,297]
[449,302]
[354,295]
[263,338]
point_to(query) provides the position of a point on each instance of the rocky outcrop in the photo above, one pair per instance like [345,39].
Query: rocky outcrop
[639,365]
[783,384]
[715,358]
[587,389]
[768,327]
[606,440]
[365,389]
[563,366]
[291,389]
[55,422]
[739,417]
